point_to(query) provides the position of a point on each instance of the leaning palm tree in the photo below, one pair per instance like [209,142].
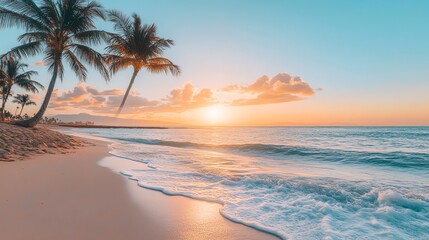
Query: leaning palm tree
[12,72]
[23,100]
[136,45]
[61,30]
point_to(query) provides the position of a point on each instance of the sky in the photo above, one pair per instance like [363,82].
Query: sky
[277,62]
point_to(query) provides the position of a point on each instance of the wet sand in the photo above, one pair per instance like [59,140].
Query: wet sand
[70,196]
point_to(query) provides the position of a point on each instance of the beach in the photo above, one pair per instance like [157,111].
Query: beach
[234,183]
[160,120]
[67,195]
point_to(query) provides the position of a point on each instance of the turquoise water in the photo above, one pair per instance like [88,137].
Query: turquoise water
[295,182]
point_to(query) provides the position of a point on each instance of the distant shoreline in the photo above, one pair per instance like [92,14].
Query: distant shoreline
[107,126]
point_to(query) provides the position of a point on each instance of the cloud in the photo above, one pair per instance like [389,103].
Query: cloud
[266,98]
[231,88]
[87,97]
[39,64]
[183,99]
[281,88]
[188,96]
[133,101]
[34,97]
[112,92]
[82,96]
[77,94]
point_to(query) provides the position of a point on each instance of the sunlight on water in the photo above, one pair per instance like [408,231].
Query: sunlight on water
[298,183]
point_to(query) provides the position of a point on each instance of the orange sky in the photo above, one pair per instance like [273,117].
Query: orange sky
[279,100]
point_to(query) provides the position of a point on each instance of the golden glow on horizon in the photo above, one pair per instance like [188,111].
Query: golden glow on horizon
[196,110]
[286,102]
[214,114]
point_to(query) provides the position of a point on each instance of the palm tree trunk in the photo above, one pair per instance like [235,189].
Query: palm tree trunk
[22,108]
[3,105]
[2,108]
[127,92]
[34,120]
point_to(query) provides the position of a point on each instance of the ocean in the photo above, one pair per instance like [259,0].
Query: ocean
[294,182]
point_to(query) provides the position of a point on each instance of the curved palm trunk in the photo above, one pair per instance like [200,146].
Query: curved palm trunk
[127,92]
[34,120]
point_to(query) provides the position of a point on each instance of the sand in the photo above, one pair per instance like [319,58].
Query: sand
[70,196]
[19,143]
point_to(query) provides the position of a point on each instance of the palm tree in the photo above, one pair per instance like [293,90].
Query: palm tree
[12,71]
[61,30]
[136,45]
[23,100]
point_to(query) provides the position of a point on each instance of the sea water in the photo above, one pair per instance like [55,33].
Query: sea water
[295,182]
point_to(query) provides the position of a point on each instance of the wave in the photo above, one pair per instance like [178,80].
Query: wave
[393,159]
[300,207]
[327,188]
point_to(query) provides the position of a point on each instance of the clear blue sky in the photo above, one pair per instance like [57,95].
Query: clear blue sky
[359,52]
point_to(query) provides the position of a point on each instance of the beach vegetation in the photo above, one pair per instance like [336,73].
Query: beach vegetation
[136,45]
[13,73]
[23,100]
[63,31]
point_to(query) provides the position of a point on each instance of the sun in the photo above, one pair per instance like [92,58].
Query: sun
[214,114]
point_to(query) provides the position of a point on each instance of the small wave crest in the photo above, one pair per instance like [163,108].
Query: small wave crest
[392,159]
[390,197]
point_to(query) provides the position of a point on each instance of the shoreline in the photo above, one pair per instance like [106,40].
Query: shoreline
[70,196]
[107,126]
[113,163]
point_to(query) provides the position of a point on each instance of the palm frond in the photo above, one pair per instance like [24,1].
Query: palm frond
[30,103]
[92,57]
[60,68]
[80,17]
[33,36]
[10,18]
[26,75]
[165,68]
[122,23]
[27,7]
[23,99]
[92,37]
[77,67]
[25,50]
[119,63]
[158,47]
[29,85]
[161,64]
[49,9]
